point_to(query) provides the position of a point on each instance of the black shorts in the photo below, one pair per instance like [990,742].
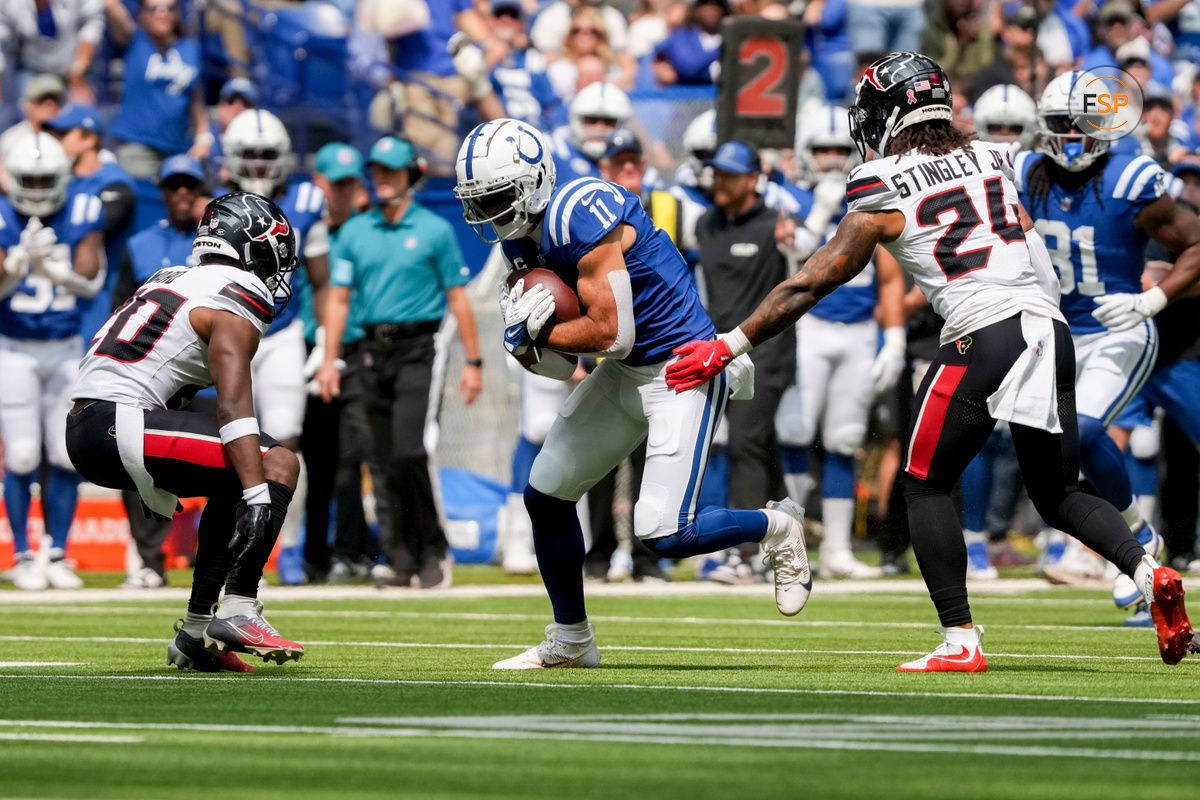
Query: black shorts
[950,418]
[182,451]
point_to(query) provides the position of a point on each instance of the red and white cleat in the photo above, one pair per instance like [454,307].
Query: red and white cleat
[960,651]
[250,633]
[1170,616]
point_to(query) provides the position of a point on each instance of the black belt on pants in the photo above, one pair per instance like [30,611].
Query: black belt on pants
[389,333]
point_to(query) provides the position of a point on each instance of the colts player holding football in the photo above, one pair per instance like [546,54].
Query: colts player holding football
[639,304]
[947,209]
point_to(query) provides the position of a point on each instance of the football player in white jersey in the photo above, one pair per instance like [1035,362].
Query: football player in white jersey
[185,329]
[259,157]
[639,304]
[51,258]
[839,366]
[947,209]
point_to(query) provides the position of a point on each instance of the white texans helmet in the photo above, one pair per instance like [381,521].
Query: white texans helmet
[825,129]
[1006,114]
[38,173]
[258,152]
[595,112]
[505,178]
[1062,139]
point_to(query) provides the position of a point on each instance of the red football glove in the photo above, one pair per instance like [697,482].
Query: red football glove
[699,362]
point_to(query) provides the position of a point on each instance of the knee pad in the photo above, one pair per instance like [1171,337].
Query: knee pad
[22,455]
[1090,431]
[845,439]
[650,513]
[1144,442]
[553,474]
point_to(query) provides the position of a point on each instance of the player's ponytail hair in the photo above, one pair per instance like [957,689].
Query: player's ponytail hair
[937,137]
[1046,173]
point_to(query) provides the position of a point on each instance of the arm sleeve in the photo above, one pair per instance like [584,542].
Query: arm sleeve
[126,284]
[117,203]
[868,191]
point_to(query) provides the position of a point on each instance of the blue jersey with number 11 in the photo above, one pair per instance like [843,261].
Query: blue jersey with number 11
[1089,231]
[666,308]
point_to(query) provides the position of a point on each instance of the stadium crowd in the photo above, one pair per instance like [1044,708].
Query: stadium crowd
[121,118]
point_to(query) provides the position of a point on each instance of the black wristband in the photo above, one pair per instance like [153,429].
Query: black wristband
[475,362]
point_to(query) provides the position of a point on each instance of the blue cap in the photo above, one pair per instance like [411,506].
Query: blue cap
[239,86]
[736,157]
[392,153]
[338,160]
[622,140]
[1185,166]
[76,116]
[182,164]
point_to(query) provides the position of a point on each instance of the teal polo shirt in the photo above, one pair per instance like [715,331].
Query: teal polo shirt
[308,313]
[397,272]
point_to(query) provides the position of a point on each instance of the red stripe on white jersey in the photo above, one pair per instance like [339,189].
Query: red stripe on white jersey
[931,419]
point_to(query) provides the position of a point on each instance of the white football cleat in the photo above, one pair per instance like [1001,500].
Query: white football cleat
[555,653]
[844,565]
[28,574]
[789,558]
[60,573]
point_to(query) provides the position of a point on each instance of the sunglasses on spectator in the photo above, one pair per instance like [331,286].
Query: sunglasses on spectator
[1115,21]
[156,7]
[507,11]
[592,31]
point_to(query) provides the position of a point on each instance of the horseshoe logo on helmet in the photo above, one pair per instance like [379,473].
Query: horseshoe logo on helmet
[534,159]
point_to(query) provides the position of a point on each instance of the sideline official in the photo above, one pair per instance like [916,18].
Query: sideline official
[400,266]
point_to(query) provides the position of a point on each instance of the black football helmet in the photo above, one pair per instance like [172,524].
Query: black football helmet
[896,91]
[252,232]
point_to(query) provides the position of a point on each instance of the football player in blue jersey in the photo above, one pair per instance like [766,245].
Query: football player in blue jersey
[51,256]
[840,366]
[594,113]
[639,303]
[97,173]
[259,157]
[1096,212]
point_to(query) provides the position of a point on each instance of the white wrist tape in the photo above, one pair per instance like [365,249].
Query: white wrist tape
[736,341]
[257,495]
[246,426]
[1156,299]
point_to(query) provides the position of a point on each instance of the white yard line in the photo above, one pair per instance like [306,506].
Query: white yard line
[619,686]
[844,732]
[610,648]
[69,737]
[7,664]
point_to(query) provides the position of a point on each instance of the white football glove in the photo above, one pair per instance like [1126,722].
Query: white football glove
[1120,312]
[469,63]
[55,264]
[16,261]
[524,315]
[38,239]
[889,362]
[828,196]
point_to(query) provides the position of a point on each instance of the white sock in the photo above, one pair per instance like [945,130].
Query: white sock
[575,633]
[838,520]
[1143,576]
[235,604]
[778,523]
[963,637]
[1147,504]
[798,486]
[975,537]
[194,624]
[1133,517]
[289,534]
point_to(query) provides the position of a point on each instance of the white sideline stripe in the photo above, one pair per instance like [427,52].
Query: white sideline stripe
[70,737]
[601,733]
[481,616]
[628,686]
[904,587]
[611,648]
[7,664]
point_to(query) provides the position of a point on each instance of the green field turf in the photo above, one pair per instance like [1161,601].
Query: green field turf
[701,696]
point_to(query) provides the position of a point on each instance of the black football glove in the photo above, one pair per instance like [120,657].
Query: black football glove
[249,530]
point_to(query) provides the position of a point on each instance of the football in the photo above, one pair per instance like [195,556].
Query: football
[566,302]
